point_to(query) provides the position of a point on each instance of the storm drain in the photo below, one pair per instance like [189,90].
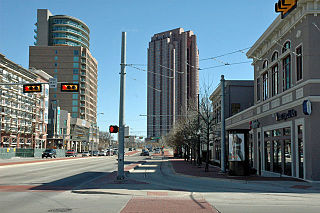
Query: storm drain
[60,210]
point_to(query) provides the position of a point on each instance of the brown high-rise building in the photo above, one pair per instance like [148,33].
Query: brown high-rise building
[173,79]
[62,50]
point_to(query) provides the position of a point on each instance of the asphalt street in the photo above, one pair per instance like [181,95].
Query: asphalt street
[89,185]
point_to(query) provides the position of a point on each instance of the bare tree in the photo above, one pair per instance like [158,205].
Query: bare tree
[104,140]
[206,119]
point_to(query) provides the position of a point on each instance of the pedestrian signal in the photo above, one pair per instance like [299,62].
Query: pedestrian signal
[69,87]
[113,129]
[285,7]
[29,88]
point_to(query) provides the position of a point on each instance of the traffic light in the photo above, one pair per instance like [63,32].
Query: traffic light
[29,88]
[69,87]
[113,129]
[285,7]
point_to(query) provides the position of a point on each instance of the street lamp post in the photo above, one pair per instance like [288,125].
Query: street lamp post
[92,130]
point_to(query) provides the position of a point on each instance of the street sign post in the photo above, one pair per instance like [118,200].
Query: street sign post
[53,83]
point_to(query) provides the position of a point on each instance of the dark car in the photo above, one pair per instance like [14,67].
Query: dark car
[95,153]
[144,153]
[49,153]
[71,153]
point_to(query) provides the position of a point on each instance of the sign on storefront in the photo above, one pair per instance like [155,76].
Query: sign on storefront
[284,116]
[307,107]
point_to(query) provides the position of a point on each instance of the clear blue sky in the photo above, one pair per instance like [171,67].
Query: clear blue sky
[221,27]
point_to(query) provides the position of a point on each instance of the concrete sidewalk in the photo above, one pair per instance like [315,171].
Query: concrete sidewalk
[185,168]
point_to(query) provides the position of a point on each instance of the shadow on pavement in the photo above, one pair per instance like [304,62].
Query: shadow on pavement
[157,175]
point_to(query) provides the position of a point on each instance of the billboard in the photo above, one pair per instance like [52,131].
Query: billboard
[236,147]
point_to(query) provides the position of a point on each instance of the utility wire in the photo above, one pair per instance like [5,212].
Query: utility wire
[243,62]
[147,85]
[230,53]
[150,71]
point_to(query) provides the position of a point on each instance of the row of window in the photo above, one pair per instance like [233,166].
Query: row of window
[274,71]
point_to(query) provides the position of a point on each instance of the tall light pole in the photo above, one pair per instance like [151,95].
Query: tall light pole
[223,127]
[92,125]
[121,109]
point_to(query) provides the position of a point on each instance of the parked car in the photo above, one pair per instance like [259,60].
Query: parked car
[115,152]
[95,153]
[49,153]
[144,153]
[102,153]
[85,154]
[71,153]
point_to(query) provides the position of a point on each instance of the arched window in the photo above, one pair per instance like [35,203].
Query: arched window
[286,46]
[274,56]
[265,64]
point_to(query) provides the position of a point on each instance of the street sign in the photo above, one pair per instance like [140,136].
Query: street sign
[53,83]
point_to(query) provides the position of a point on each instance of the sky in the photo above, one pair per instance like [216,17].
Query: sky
[220,26]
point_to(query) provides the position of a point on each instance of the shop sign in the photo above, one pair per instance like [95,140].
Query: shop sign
[307,107]
[254,124]
[284,116]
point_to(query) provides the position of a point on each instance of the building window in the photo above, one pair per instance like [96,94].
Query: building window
[258,89]
[55,64]
[265,86]
[75,52]
[265,64]
[56,58]
[274,56]
[75,65]
[74,103]
[275,80]
[75,71]
[75,58]
[235,108]
[267,152]
[75,77]
[54,95]
[74,96]
[74,109]
[74,115]
[55,70]
[286,75]
[299,63]
[56,51]
[286,46]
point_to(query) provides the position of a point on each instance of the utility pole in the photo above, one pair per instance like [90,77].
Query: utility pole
[223,128]
[121,110]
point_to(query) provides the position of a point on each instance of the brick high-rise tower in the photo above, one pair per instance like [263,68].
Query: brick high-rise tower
[173,78]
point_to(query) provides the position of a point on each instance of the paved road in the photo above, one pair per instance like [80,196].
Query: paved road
[87,185]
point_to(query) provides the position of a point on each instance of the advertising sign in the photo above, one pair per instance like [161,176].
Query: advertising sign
[236,147]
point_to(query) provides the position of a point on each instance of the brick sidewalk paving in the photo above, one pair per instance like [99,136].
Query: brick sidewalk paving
[182,167]
[166,204]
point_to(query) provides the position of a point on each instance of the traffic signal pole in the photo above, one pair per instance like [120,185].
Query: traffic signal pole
[121,110]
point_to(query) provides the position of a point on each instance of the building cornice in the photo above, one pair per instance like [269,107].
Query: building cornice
[280,27]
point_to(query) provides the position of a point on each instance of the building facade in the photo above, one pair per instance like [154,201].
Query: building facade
[62,50]
[238,97]
[282,136]
[24,116]
[173,79]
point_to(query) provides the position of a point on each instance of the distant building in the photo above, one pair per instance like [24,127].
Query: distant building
[238,97]
[23,116]
[62,50]
[173,79]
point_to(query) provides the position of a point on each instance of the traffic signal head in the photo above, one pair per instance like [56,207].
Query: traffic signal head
[113,129]
[29,88]
[69,87]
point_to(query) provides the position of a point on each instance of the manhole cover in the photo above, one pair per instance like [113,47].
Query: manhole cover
[60,210]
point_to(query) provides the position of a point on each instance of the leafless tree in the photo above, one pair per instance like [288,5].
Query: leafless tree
[104,140]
